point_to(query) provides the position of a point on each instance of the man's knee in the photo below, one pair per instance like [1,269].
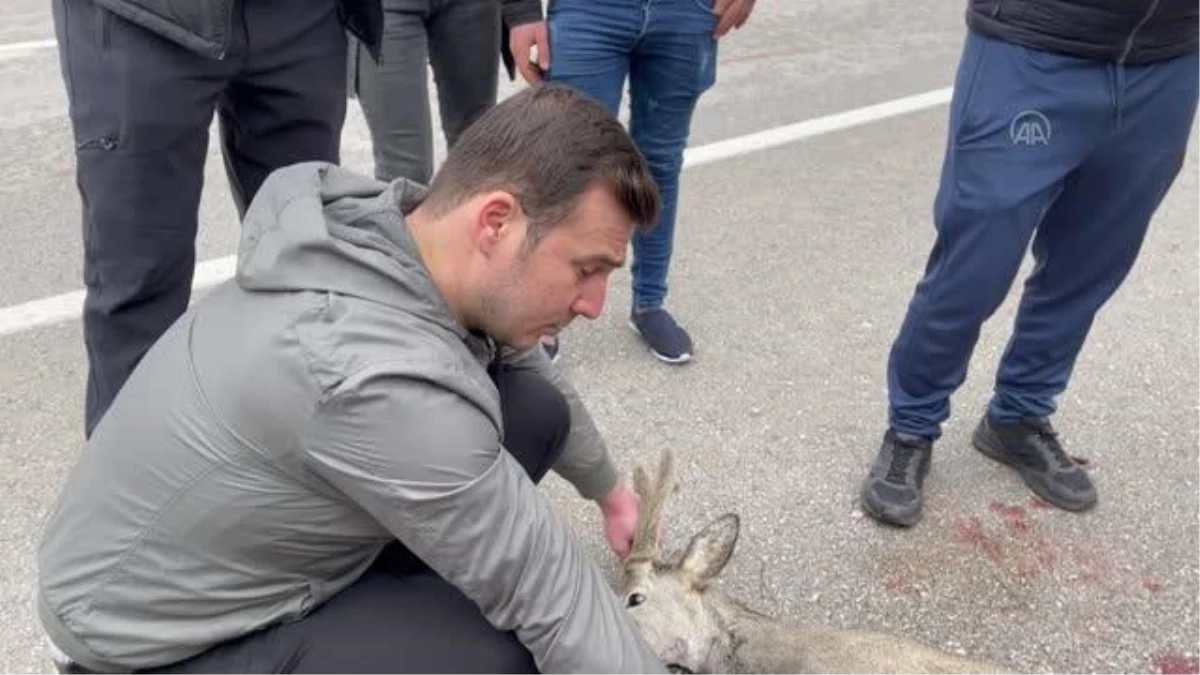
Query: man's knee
[355,632]
[537,419]
[490,650]
[502,653]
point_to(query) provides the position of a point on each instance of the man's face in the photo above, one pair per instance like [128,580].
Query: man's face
[528,294]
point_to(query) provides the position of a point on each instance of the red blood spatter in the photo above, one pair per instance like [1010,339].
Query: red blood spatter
[1014,516]
[1093,567]
[899,584]
[1176,664]
[1023,551]
[1037,553]
[970,531]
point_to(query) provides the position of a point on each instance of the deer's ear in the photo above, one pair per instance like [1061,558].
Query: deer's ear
[710,550]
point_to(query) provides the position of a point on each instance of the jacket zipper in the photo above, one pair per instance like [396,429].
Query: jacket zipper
[1134,32]
[102,143]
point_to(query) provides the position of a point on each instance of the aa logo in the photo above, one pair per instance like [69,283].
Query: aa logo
[1029,127]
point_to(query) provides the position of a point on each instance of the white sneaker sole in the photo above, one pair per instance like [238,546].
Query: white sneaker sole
[682,358]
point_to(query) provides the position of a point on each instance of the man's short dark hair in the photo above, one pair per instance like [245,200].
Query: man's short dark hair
[547,144]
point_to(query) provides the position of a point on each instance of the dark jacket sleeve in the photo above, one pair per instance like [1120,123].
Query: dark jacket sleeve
[1127,31]
[515,13]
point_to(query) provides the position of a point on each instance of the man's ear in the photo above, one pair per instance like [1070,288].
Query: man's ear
[497,216]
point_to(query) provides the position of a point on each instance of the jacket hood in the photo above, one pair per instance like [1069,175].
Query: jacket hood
[319,227]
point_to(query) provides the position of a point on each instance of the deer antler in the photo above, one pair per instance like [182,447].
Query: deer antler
[645,539]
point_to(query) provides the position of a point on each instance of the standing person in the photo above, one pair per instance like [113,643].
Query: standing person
[1069,122]
[461,41]
[329,463]
[143,79]
[668,51]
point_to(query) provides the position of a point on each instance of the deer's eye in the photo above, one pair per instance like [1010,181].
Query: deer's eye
[635,600]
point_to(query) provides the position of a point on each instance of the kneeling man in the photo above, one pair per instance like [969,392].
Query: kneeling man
[329,463]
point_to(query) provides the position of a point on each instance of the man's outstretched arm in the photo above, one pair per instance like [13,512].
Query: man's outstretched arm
[428,465]
[585,462]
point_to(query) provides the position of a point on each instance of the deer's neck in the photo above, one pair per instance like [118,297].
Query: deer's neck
[758,643]
[738,627]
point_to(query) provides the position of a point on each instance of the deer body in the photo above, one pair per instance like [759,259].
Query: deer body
[693,628]
[765,645]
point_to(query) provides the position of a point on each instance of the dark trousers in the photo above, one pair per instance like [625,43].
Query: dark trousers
[140,109]
[399,616]
[460,41]
[1070,154]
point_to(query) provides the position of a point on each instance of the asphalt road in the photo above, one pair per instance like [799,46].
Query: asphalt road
[794,265]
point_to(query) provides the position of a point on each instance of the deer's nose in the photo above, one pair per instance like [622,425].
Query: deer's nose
[680,648]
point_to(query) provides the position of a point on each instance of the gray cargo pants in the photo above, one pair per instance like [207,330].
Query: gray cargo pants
[460,39]
[140,109]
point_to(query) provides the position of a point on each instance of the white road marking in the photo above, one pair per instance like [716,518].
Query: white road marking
[69,306]
[22,47]
[773,138]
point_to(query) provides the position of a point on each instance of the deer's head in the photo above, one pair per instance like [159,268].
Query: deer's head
[669,602]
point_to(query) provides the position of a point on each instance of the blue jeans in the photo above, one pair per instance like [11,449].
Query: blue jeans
[667,50]
[1073,154]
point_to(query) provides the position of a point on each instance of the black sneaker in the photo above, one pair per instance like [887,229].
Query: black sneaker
[665,338]
[1032,448]
[892,491]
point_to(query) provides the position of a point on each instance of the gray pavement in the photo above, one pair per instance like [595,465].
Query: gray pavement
[793,270]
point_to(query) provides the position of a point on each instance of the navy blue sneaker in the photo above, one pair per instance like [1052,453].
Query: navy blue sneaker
[666,339]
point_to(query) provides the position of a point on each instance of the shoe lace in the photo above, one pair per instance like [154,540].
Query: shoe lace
[1046,438]
[902,454]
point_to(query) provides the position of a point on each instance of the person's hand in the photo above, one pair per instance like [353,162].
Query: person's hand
[732,13]
[620,509]
[520,40]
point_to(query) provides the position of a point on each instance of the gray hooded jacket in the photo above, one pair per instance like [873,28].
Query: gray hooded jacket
[293,422]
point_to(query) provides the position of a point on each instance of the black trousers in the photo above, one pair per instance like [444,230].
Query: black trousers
[399,616]
[141,107]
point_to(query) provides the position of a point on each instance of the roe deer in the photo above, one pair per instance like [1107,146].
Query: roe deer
[694,628]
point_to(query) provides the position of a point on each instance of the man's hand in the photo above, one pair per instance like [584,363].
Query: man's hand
[521,39]
[732,13]
[620,509]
